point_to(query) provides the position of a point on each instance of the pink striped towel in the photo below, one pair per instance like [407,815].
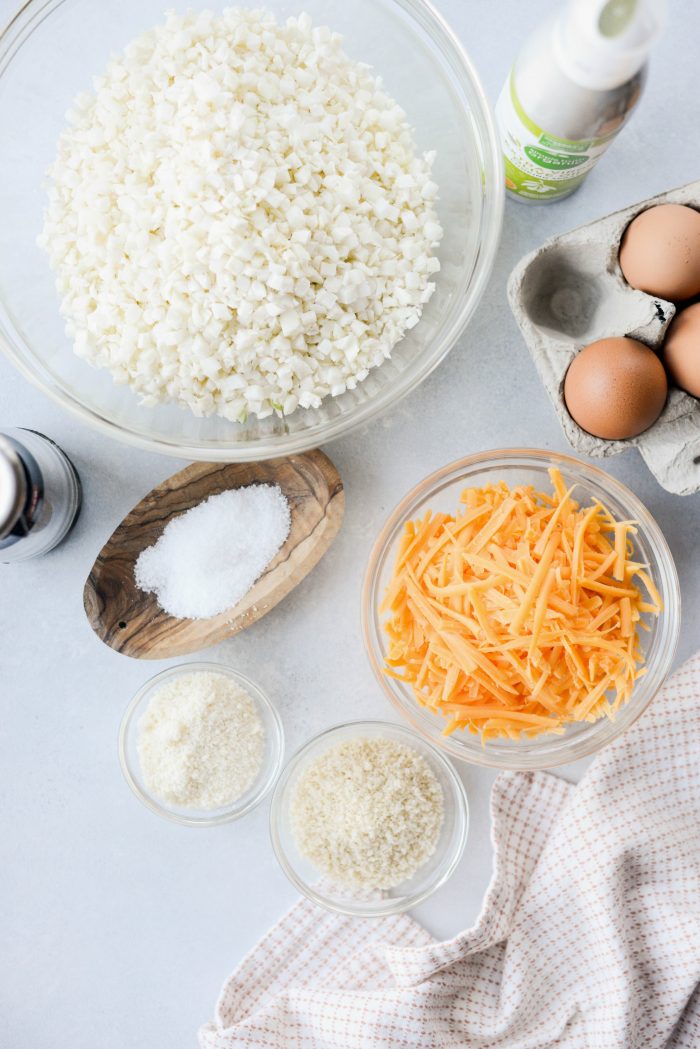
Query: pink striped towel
[589,936]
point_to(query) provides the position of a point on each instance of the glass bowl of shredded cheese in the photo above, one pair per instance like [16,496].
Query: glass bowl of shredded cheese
[521,608]
[369,819]
[159,374]
[201,744]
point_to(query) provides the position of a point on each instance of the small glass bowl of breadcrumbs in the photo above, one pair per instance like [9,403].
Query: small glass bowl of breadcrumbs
[369,819]
[201,744]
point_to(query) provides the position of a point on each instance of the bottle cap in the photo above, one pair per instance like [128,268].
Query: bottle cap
[601,44]
[13,488]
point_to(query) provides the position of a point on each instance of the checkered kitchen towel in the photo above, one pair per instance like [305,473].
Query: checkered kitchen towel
[589,937]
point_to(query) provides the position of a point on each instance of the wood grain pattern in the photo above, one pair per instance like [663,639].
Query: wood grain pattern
[130,621]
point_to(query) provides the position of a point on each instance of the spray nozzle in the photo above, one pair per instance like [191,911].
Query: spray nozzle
[604,43]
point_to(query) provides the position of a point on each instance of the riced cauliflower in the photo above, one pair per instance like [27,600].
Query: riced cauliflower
[238,218]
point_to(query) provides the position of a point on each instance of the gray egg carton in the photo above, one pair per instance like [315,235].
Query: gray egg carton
[570,292]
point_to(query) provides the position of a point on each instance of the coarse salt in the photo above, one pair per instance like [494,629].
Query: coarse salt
[208,558]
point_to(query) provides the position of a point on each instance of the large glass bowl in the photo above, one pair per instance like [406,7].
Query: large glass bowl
[48,54]
[440,492]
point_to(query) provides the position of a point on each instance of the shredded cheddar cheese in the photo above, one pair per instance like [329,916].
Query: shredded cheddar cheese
[519,615]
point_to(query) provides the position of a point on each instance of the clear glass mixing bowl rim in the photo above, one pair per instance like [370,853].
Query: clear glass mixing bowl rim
[543,752]
[33,13]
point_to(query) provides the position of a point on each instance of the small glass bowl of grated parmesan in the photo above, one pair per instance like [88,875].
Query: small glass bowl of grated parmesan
[369,819]
[200,744]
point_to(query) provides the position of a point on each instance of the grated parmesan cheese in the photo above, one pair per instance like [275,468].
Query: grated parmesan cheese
[238,218]
[201,741]
[368,812]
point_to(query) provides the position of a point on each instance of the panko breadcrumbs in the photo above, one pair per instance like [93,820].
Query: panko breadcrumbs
[368,812]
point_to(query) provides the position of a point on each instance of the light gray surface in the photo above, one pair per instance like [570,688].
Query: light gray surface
[119,928]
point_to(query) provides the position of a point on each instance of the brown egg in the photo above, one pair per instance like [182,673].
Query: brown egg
[660,252]
[682,350]
[615,388]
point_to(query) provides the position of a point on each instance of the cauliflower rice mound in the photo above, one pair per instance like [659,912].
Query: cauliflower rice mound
[238,218]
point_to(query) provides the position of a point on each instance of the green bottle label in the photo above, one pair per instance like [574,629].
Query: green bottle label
[554,161]
[541,166]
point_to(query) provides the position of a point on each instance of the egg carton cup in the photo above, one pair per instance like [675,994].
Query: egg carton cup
[570,292]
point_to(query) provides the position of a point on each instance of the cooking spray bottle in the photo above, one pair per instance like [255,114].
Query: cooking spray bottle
[570,92]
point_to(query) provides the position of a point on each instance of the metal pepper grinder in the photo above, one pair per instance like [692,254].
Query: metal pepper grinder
[40,495]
